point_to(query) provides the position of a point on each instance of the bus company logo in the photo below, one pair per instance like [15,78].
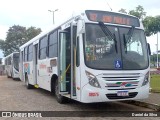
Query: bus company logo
[125,85]
[42,66]
[122,84]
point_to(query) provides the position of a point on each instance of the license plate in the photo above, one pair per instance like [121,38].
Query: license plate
[122,93]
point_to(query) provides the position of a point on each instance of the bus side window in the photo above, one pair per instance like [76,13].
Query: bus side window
[43,48]
[30,52]
[25,54]
[52,45]
[77,53]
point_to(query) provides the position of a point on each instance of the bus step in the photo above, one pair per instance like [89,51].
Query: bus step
[67,95]
[64,93]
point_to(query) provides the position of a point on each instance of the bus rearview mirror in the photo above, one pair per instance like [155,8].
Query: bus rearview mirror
[149,49]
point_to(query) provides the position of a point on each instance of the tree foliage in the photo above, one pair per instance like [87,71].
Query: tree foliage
[151,24]
[32,32]
[138,12]
[123,11]
[17,36]
[153,58]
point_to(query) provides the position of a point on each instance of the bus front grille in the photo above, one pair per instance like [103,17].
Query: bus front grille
[121,81]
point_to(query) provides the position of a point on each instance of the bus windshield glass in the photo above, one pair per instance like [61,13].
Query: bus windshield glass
[101,51]
[16,61]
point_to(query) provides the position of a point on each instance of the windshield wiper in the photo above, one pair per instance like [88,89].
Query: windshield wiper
[130,33]
[108,33]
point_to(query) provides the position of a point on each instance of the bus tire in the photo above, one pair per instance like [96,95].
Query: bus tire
[29,86]
[60,99]
[53,81]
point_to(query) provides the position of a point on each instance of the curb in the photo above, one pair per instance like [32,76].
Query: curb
[144,104]
[155,91]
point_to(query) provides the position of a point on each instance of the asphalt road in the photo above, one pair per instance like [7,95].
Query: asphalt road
[14,96]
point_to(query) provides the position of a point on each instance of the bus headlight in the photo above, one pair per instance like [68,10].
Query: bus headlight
[146,79]
[92,80]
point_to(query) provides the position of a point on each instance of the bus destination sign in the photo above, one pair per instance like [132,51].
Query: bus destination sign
[114,18]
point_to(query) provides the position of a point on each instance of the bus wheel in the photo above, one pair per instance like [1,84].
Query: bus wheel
[61,99]
[29,86]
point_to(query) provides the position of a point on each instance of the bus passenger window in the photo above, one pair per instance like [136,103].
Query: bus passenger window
[30,52]
[25,54]
[43,48]
[53,45]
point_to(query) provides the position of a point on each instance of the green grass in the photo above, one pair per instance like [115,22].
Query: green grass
[155,83]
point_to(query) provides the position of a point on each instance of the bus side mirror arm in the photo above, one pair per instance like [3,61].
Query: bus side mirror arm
[149,49]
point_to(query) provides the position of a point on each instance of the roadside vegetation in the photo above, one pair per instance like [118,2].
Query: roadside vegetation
[155,83]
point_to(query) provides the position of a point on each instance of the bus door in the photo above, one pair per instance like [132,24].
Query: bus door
[64,72]
[35,59]
[74,71]
[67,64]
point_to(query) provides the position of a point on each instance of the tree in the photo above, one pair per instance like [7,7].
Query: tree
[157,24]
[151,24]
[122,11]
[153,58]
[17,36]
[2,45]
[148,23]
[32,32]
[139,12]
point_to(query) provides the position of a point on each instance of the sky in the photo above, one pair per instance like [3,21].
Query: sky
[35,12]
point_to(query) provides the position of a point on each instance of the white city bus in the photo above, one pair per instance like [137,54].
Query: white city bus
[96,56]
[12,65]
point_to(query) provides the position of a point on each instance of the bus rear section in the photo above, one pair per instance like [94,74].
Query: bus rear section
[12,65]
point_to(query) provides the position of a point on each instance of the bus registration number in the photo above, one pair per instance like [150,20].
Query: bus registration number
[122,93]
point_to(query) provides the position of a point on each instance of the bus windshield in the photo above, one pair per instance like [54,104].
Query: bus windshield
[16,61]
[101,51]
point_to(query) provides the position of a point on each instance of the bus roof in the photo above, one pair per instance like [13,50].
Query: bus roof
[82,14]
[44,33]
[11,54]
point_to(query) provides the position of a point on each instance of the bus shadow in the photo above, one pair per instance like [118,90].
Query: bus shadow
[14,79]
[101,106]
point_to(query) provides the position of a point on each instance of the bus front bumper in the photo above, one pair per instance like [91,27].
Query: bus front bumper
[92,94]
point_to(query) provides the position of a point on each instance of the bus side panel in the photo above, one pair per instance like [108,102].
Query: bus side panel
[8,70]
[15,73]
[43,75]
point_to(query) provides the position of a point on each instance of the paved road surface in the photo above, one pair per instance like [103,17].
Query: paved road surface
[15,97]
